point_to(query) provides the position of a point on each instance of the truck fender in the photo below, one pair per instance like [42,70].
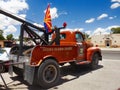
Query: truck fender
[91,51]
[45,58]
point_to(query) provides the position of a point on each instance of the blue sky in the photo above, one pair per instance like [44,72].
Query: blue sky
[90,16]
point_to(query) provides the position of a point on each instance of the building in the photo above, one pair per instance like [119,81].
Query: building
[6,43]
[107,40]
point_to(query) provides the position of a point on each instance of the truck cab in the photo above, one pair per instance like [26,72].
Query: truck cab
[84,50]
[77,39]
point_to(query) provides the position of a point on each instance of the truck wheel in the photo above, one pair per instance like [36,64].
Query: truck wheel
[2,68]
[48,73]
[95,61]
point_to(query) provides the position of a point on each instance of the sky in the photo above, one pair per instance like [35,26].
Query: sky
[89,16]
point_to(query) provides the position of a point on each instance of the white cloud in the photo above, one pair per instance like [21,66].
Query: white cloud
[14,5]
[101,30]
[116,4]
[102,16]
[63,13]
[10,29]
[114,26]
[22,16]
[115,0]
[53,12]
[17,7]
[88,32]
[39,25]
[79,29]
[112,17]
[66,29]
[90,20]
[75,29]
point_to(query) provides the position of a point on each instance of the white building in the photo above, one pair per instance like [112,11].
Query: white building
[107,40]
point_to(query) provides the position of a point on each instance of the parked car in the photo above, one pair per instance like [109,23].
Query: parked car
[4,59]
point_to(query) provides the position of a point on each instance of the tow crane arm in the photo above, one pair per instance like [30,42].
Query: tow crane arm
[30,28]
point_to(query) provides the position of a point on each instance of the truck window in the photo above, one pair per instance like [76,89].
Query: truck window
[62,36]
[79,37]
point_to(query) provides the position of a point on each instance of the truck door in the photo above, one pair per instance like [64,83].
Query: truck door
[79,40]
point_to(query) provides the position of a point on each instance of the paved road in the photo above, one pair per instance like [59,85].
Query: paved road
[105,77]
[111,55]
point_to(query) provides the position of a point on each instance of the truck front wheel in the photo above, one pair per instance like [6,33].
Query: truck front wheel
[95,61]
[48,73]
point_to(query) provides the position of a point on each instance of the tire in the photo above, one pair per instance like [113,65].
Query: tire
[95,61]
[2,68]
[15,49]
[48,73]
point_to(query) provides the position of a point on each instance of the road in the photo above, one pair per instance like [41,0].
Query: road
[112,55]
[105,77]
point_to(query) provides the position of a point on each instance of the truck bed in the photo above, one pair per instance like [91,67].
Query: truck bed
[60,53]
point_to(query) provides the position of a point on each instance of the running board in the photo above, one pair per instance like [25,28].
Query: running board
[82,62]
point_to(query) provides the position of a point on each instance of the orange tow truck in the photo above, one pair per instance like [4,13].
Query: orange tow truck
[39,64]
[72,49]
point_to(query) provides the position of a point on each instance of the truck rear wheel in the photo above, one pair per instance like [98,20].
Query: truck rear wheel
[95,61]
[2,68]
[48,73]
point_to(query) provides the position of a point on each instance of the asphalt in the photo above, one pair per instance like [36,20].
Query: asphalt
[105,77]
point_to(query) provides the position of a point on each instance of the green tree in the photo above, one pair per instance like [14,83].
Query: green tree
[1,35]
[115,30]
[9,37]
[1,32]
[86,36]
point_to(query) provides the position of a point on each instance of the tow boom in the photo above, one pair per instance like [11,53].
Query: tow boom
[21,20]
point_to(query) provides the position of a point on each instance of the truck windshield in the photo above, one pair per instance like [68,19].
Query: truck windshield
[79,37]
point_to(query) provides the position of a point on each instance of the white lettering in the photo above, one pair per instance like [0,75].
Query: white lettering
[58,49]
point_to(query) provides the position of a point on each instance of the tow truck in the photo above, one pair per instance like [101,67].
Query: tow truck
[40,64]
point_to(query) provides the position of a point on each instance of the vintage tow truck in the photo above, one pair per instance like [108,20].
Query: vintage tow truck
[39,64]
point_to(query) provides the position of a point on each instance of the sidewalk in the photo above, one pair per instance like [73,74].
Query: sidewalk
[110,49]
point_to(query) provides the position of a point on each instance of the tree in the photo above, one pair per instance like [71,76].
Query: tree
[86,35]
[115,30]
[1,35]
[9,37]
[1,32]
